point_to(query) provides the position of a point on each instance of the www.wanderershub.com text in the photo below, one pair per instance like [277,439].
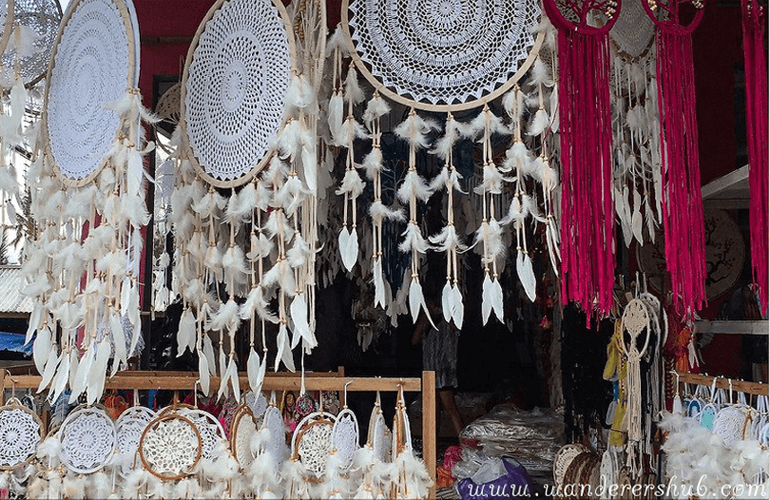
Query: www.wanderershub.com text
[673,489]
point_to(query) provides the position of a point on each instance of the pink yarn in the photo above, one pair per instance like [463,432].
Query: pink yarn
[680,163]
[756,131]
[587,215]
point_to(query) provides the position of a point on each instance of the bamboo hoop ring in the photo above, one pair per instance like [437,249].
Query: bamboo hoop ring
[14,404]
[158,420]
[8,27]
[243,411]
[440,108]
[131,24]
[187,149]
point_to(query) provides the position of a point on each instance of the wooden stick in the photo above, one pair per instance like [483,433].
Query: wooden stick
[429,426]
[756,388]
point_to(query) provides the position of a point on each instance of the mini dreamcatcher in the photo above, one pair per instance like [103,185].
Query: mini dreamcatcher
[242,431]
[129,428]
[20,433]
[311,443]
[170,447]
[88,200]
[88,440]
[413,478]
[445,56]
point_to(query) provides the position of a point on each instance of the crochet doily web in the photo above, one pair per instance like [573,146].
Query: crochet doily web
[91,68]
[210,429]
[443,52]
[19,435]
[345,438]
[89,440]
[130,426]
[42,17]
[170,447]
[244,430]
[633,31]
[235,88]
[313,447]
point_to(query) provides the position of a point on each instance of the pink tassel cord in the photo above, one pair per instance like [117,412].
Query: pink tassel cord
[588,218]
[756,131]
[682,201]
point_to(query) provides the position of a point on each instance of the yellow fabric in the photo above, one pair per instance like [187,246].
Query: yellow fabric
[617,365]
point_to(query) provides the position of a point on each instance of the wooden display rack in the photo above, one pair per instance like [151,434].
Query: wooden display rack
[755,388]
[331,381]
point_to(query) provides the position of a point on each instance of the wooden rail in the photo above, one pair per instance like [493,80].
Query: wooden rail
[331,381]
[756,388]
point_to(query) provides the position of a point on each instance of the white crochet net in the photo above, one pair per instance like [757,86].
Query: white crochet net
[313,447]
[443,52]
[345,438]
[88,440]
[170,447]
[130,426]
[633,31]
[91,68]
[236,86]
[244,432]
[277,444]
[42,17]
[19,435]
[209,427]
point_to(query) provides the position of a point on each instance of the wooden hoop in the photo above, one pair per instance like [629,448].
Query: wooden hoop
[14,404]
[241,412]
[410,103]
[158,420]
[133,78]
[187,152]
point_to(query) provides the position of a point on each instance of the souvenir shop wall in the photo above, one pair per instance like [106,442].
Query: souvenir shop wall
[383,248]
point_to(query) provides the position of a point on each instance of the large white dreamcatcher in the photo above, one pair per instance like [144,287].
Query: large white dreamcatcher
[88,200]
[448,56]
[246,156]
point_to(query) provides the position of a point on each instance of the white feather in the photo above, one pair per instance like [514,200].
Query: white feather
[458,309]
[375,108]
[415,130]
[335,118]
[486,298]
[526,274]
[352,91]
[83,370]
[119,340]
[372,163]
[203,373]
[415,186]
[284,354]
[255,302]
[50,368]
[379,212]
[298,313]
[351,184]
[41,348]
[95,385]
[348,243]
[413,240]
[417,302]
[226,318]
[185,337]
[540,123]
[255,371]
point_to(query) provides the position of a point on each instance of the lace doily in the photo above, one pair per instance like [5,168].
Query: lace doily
[442,54]
[211,431]
[129,427]
[633,31]
[381,438]
[234,87]
[243,429]
[20,432]
[41,17]
[93,64]
[87,440]
[258,405]
[563,459]
[345,437]
[729,424]
[312,441]
[7,22]
[170,446]
[277,444]
[168,107]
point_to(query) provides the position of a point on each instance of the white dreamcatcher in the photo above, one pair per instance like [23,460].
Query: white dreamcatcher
[82,270]
[440,57]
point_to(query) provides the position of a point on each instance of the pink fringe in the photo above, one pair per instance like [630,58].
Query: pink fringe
[682,201]
[587,215]
[756,129]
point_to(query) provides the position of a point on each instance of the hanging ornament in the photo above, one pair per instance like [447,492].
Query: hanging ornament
[754,19]
[83,267]
[587,216]
[682,200]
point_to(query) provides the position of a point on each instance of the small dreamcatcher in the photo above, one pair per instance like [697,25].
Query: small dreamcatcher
[129,428]
[413,478]
[312,441]
[170,447]
[88,440]
[210,429]
[242,431]
[20,433]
